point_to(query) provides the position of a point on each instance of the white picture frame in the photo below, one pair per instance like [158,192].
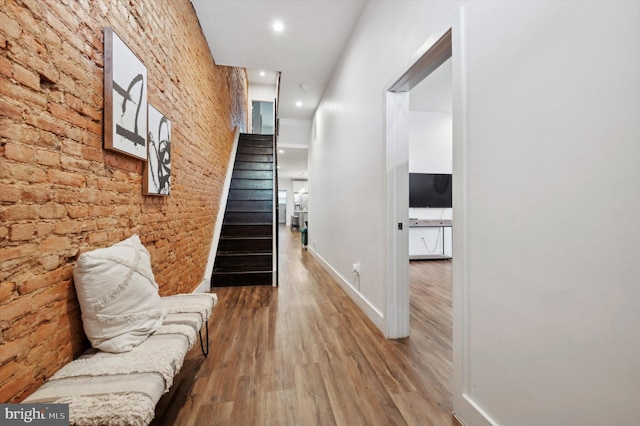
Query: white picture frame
[125,98]
[157,172]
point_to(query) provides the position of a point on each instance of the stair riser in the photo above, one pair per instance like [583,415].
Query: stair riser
[251,184]
[242,205]
[245,263]
[252,174]
[255,136]
[248,143]
[247,230]
[248,165]
[255,150]
[250,194]
[255,158]
[243,217]
[241,279]
[245,246]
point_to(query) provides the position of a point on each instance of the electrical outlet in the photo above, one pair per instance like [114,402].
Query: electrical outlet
[356,268]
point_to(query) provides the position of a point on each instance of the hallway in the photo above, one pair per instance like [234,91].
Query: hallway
[303,354]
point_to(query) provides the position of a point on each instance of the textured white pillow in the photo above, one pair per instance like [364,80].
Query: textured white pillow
[118,295]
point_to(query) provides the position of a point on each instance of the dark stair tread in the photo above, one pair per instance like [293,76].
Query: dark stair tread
[246,254]
[235,266]
[264,178]
[257,158]
[228,253]
[252,174]
[255,150]
[252,166]
[232,280]
[239,210]
[252,184]
[221,271]
[254,136]
[252,224]
[252,217]
[245,237]
[225,270]
[259,143]
[247,230]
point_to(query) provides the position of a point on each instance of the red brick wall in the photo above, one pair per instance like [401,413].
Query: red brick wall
[61,193]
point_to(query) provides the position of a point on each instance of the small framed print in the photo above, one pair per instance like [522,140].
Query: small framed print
[125,98]
[157,173]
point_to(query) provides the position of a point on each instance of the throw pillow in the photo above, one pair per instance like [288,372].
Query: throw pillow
[118,295]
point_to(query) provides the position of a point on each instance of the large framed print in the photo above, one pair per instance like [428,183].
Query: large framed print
[125,98]
[157,173]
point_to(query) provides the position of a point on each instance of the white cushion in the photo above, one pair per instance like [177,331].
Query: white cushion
[118,295]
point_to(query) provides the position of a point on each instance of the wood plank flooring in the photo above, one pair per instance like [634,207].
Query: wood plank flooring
[303,354]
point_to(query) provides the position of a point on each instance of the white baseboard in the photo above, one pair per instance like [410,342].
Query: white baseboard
[468,412]
[376,317]
[203,287]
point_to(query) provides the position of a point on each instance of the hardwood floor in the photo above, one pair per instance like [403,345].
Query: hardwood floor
[303,354]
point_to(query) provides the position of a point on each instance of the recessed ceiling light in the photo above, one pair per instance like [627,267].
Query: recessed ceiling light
[298,104]
[261,73]
[281,151]
[278,26]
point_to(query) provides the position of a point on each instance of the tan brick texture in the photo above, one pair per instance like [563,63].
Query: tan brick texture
[61,193]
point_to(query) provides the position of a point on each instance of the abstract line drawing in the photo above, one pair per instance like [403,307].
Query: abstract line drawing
[157,174]
[125,98]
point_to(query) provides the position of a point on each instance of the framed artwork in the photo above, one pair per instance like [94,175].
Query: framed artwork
[125,98]
[157,173]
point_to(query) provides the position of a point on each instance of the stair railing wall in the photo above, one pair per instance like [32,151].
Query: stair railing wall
[276,204]
[208,271]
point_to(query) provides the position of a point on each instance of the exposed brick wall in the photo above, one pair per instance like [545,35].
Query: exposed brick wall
[61,193]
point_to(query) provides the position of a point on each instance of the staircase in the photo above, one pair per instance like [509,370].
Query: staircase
[245,249]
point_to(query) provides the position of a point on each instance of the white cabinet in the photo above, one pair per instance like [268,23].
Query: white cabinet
[430,239]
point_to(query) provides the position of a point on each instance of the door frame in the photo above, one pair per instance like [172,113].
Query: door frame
[430,56]
[397,170]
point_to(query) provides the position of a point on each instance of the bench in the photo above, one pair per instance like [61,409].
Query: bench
[105,388]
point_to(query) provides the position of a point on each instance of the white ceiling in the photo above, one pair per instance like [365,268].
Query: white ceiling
[239,33]
[292,163]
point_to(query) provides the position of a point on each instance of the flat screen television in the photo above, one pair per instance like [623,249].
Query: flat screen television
[429,190]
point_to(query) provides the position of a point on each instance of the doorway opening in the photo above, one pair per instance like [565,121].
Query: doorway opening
[436,52]
[262,118]
[431,215]
[282,206]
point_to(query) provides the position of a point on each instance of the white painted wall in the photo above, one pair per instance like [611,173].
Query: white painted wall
[294,133]
[430,151]
[261,92]
[550,284]
[430,139]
